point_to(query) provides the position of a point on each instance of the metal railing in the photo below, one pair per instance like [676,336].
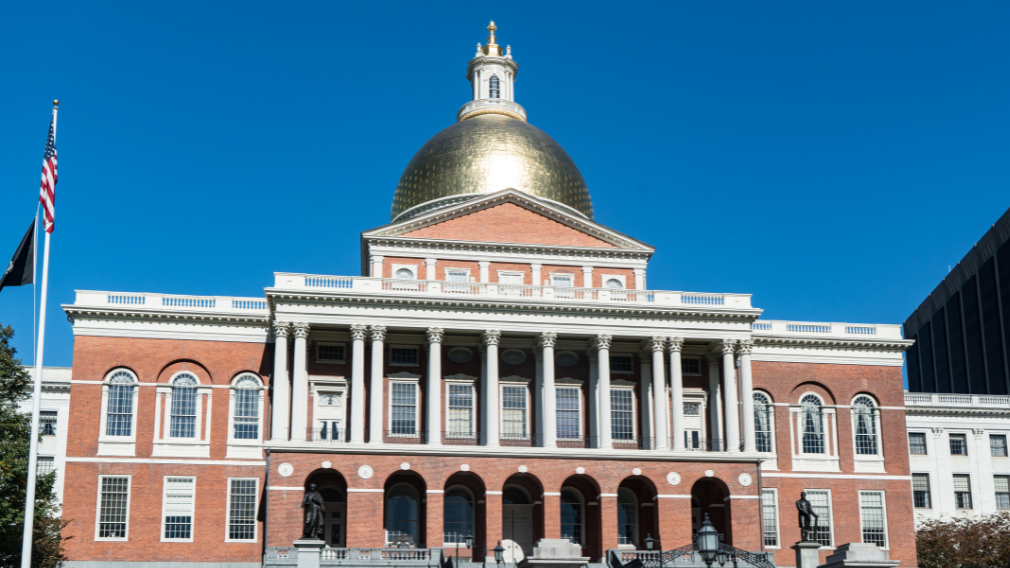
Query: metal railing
[634,443]
[404,436]
[332,435]
[706,445]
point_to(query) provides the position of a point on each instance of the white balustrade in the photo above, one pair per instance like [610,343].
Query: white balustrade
[147,301]
[958,400]
[473,107]
[833,329]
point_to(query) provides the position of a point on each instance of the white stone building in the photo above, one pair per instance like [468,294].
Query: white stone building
[53,419]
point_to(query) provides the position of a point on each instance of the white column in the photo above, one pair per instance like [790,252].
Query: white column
[429,269]
[546,343]
[300,388]
[280,384]
[587,276]
[490,386]
[538,396]
[673,346]
[747,393]
[729,393]
[377,266]
[645,403]
[714,401]
[358,333]
[602,345]
[593,396]
[484,276]
[639,278]
[535,268]
[435,335]
[659,397]
[375,395]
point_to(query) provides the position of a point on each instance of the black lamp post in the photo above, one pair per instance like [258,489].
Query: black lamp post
[708,542]
[651,543]
[499,553]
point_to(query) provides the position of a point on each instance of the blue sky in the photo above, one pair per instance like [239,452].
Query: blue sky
[830,158]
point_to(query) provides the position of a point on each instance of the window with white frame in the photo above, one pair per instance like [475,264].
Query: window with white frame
[563,280]
[867,425]
[177,508]
[812,419]
[457,517]
[119,411]
[820,501]
[47,422]
[627,517]
[962,491]
[622,414]
[403,409]
[692,439]
[246,409]
[572,519]
[457,275]
[921,496]
[402,514]
[331,353]
[770,516]
[997,445]
[45,465]
[242,509]
[872,518]
[568,406]
[182,421]
[404,274]
[514,416]
[917,443]
[1002,484]
[621,365]
[958,445]
[113,507]
[613,284]
[459,418]
[690,366]
[764,418]
[494,88]
[403,355]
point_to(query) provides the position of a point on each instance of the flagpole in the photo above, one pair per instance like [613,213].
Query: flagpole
[33,453]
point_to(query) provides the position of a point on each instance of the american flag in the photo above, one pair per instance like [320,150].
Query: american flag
[47,192]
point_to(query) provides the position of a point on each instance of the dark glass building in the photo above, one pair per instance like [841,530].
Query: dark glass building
[962,329]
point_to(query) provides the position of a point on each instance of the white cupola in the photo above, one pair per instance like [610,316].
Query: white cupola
[492,74]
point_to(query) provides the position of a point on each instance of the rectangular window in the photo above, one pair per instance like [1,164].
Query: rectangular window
[820,499]
[958,445]
[917,443]
[47,422]
[45,465]
[621,364]
[921,497]
[246,421]
[457,275]
[622,414]
[562,280]
[403,409]
[330,353]
[770,512]
[690,366]
[1002,483]
[119,415]
[568,403]
[691,409]
[400,355]
[242,509]
[182,422]
[692,439]
[113,507]
[871,516]
[513,417]
[962,491]
[177,508]
[997,445]
[460,418]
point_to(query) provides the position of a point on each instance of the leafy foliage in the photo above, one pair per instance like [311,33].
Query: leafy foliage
[979,542]
[15,434]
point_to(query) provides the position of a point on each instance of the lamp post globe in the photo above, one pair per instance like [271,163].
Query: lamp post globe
[499,553]
[469,540]
[722,558]
[708,542]
[649,541]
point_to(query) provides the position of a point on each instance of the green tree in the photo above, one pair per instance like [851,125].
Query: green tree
[15,434]
[978,542]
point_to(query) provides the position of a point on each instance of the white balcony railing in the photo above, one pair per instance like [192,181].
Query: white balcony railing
[966,401]
[176,303]
[826,330]
[483,106]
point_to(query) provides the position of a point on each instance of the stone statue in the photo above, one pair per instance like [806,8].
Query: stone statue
[806,511]
[314,514]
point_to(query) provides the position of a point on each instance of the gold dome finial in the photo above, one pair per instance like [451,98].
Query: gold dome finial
[492,48]
[491,28]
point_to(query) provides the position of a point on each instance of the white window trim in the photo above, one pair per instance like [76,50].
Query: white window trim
[828,461]
[397,267]
[164,495]
[245,448]
[771,419]
[324,386]
[634,414]
[883,504]
[630,356]
[520,273]
[118,445]
[554,275]
[577,387]
[417,407]
[967,451]
[971,489]
[686,374]
[448,269]
[227,511]
[166,446]
[867,463]
[929,480]
[461,380]
[925,441]
[619,277]
[778,523]
[319,359]
[416,348]
[831,518]
[514,382]
[98,509]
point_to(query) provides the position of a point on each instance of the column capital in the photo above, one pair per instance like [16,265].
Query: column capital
[656,343]
[674,344]
[435,334]
[491,336]
[536,266]
[728,346]
[378,332]
[547,339]
[638,271]
[587,269]
[376,258]
[358,331]
[282,329]
[483,263]
[301,330]
[745,346]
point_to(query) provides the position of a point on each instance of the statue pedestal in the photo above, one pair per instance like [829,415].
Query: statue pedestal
[308,552]
[554,553]
[807,554]
[859,555]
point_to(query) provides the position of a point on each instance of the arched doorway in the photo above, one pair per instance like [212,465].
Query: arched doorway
[463,513]
[636,512]
[522,513]
[709,495]
[404,511]
[580,514]
[333,488]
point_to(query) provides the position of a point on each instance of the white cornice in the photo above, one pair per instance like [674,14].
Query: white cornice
[502,252]
[895,345]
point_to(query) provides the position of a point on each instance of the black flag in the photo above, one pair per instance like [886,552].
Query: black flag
[21,269]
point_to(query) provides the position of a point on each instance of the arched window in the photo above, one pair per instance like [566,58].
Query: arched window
[865,415]
[119,411]
[813,424]
[401,514]
[627,517]
[182,423]
[763,421]
[613,284]
[404,274]
[572,518]
[495,86]
[513,495]
[457,517]
[246,417]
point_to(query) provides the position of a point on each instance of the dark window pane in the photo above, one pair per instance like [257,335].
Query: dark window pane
[926,358]
[912,359]
[1003,260]
[955,340]
[991,328]
[973,337]
[942,367]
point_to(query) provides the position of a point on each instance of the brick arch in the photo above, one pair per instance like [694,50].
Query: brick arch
[112,370]
[179,365]
[238,374]
[645,494]
[592,515]
[535,488]
[415,480]
[814,387]
[711,495]
[873,397]
[475,484]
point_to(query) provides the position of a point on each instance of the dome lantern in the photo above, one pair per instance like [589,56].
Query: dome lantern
[492,74]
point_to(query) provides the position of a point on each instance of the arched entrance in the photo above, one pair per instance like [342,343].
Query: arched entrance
[522,513]
[404,516]
[709,495]
[636,512]
[463,512]
[332,486]
[580,514]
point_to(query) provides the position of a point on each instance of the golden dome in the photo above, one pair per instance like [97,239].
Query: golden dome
[489,153]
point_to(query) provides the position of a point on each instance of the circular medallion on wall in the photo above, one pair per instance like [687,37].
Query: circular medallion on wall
[285,469]
[365,472]
[513,356]
[745,479]
[566,359]
[460,355]
[673,478]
